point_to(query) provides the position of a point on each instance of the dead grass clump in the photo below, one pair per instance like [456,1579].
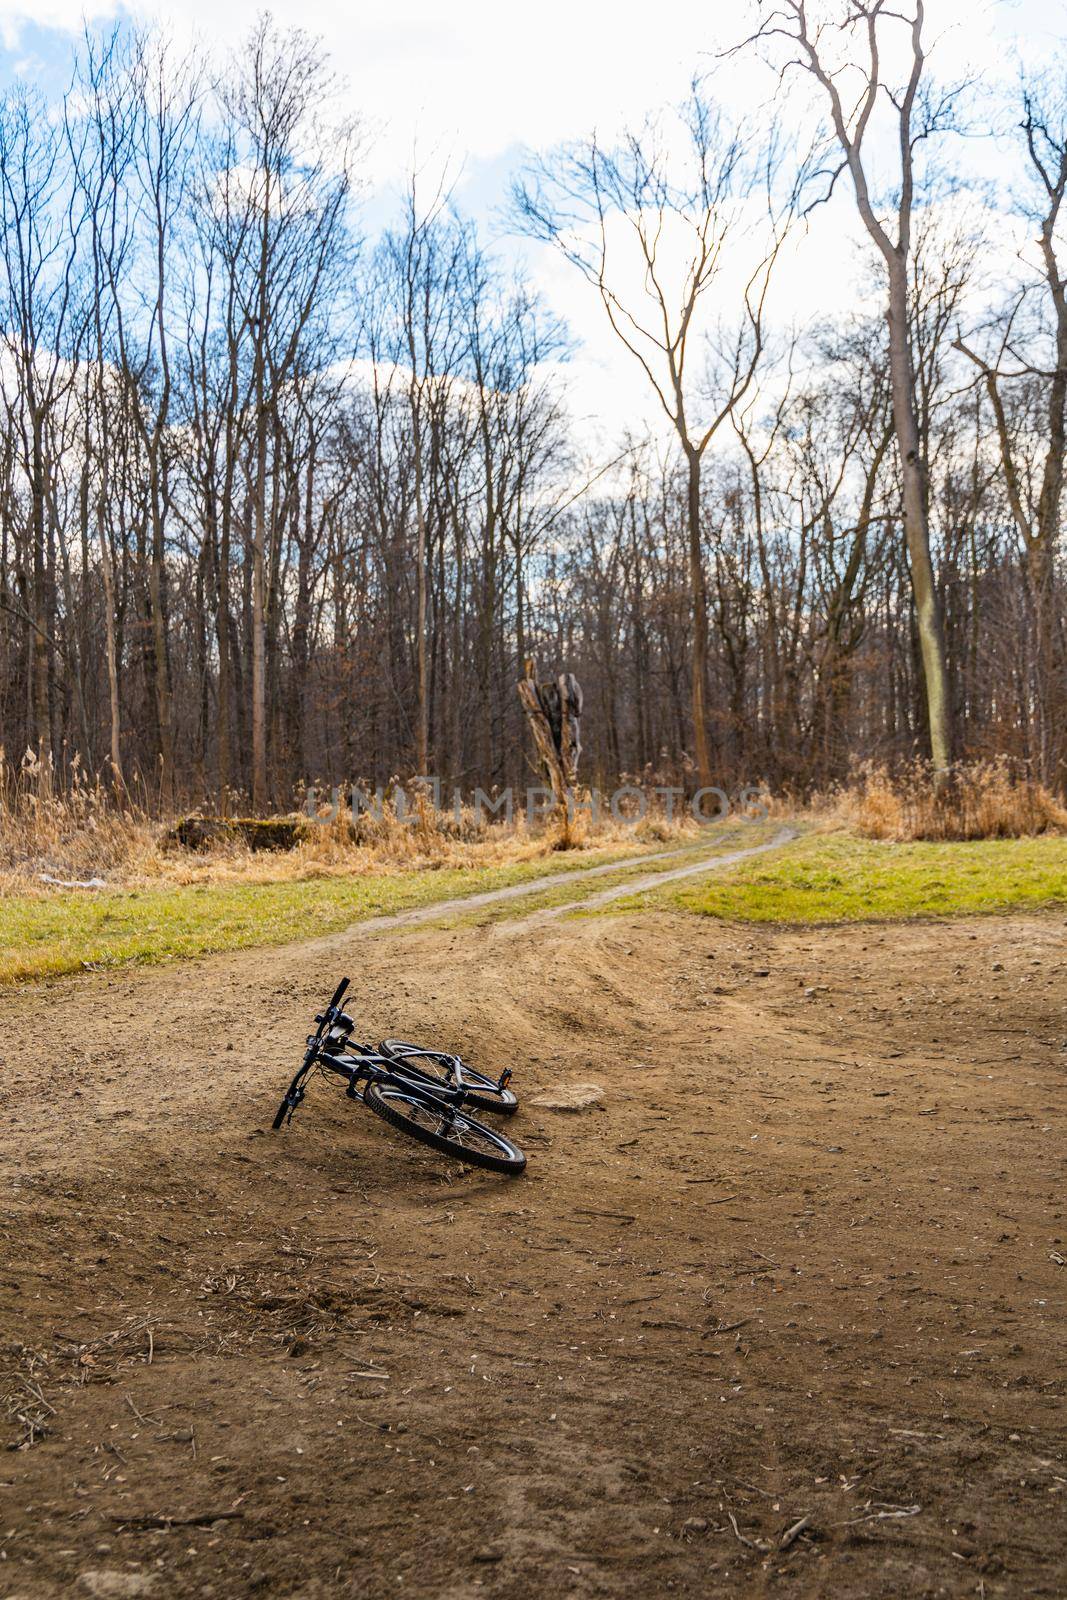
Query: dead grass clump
[77,833]
[978,800]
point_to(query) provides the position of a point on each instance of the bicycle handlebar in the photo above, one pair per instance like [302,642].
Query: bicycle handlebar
[327,1016]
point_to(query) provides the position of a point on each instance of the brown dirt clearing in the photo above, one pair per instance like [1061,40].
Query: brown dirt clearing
[805,1263]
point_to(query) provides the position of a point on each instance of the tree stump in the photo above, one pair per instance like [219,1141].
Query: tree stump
[552,710]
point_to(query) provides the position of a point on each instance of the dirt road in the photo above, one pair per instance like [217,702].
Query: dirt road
[782,1315]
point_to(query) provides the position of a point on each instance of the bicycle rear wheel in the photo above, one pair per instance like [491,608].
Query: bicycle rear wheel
[406,1108]
[437,1066]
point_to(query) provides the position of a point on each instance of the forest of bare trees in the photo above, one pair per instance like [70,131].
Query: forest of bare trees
[284,503]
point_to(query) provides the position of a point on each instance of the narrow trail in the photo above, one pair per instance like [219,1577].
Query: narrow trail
[532,886]
[653,880]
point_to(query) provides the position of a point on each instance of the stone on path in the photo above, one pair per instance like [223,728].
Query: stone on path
[570,1097]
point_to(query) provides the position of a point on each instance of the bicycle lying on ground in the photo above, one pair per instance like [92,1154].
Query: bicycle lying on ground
[422,1093]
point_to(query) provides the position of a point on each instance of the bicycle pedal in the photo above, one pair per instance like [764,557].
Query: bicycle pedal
[505,1078]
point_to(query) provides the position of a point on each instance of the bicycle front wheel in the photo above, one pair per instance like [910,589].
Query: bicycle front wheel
[427,1120]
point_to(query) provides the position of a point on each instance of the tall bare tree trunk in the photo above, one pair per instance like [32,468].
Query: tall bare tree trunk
[850,123]
[259,526]
[161,670]
[42,699]
[1041,549]
[115,704]
[916,522]
[259,627]
[698,586]
[422,732]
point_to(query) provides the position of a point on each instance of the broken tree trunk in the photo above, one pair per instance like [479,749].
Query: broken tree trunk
[553,710]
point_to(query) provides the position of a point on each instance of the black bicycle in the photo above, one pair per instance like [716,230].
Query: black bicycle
[422,1093]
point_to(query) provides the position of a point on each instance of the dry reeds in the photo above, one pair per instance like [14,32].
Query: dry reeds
[995,799]
[75,832]
[86,832]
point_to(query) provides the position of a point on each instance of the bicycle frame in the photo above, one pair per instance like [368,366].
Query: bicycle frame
[362,1065]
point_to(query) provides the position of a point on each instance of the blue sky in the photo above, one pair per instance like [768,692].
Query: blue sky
[477,82]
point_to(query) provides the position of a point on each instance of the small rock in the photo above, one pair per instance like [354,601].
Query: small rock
[487,1556]
[998,966]
[299,1347]
[761,972]
[110,1585]
[834,1149]
[695,1525]
[571,1097]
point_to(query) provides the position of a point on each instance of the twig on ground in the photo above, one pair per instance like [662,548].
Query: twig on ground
[795,1531]
[146,1422]
[884,1514]
[201,1519]
[742,1537]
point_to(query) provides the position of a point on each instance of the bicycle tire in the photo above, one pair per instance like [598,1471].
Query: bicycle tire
[481,1091]
[401,1105]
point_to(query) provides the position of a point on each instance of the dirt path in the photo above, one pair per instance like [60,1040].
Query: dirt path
[576,879]
[655,880]
[803,1264]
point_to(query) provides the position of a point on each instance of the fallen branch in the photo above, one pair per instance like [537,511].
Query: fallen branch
[726,1327]
[201,1519]
[885,1515]
[753,1544]
[794,1532]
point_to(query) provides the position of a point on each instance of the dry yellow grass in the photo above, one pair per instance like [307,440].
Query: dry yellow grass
[980,800]
[86,833]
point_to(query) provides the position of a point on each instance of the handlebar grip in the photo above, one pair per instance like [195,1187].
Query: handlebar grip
[338,992]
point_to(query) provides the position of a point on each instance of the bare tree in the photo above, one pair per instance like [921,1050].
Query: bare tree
[40,220]
[426,259]
[1035,489]
[837,52]
[296,184]
[599,207]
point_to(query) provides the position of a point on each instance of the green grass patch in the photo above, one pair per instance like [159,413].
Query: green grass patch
[838,878]
[47,935]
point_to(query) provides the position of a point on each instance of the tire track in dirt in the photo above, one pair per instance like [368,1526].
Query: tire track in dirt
[653,880]
[460,904]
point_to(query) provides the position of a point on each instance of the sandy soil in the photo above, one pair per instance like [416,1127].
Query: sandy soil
[783,1315]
